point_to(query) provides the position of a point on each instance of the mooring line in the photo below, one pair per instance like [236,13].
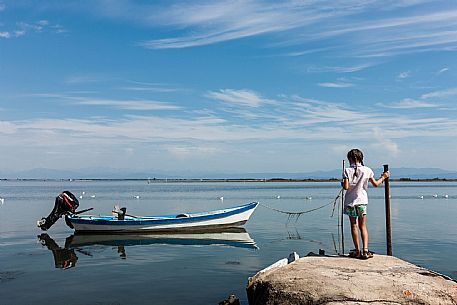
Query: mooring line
[297,215]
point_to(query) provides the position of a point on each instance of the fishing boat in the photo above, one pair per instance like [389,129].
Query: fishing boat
[202,221]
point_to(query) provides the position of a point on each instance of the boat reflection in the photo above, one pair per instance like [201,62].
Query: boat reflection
[65,257]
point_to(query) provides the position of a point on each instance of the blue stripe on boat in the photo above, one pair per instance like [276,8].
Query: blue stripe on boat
[164,219]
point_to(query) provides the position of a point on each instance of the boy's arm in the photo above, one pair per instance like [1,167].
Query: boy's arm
[381,179]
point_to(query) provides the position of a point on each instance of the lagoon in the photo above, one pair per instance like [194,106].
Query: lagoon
[202,271]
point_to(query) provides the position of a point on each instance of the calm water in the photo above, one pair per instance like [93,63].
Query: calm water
[200,270]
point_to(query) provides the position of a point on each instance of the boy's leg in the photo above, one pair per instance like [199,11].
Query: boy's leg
[363,231]
[354,232]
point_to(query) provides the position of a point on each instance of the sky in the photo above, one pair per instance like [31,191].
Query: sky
[227,86]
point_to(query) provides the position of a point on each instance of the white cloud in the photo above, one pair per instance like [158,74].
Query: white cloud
[128,104]
[411,104]
[303,22]
[442,71]
[150,87]
[441,93]
[403,75]
[348,69]
[216,134]
[182,151]
[133,104]
[384,144]
[336,85]
[23,28]
[238,97]
[215,22]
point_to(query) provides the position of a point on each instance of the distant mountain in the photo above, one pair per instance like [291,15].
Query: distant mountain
[109,173]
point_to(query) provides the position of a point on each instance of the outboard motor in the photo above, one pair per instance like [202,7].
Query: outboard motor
[65,203]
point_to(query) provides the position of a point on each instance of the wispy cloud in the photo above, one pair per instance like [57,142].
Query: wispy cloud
[335,85]
[214,132]
[121,83]
[410,104]
[133,104]
[409,26]
[238,97]
[129,104]
[441,93]
[22,28]
[384,144]
[210,23]
[348,69]
[403,75]
[442,71]
[149,87]
[229,20]
[295,118]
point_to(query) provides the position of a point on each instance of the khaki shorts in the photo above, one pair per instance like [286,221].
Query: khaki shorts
[356,211]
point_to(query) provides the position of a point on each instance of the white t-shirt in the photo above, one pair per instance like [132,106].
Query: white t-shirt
[358,185]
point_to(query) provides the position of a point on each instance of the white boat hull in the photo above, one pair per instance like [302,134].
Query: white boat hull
[200,221]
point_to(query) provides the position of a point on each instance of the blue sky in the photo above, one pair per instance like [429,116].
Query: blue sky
[227,86]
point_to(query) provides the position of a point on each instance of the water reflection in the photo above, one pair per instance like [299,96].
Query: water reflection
[65,257]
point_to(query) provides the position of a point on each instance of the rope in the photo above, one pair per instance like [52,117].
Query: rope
[297,215]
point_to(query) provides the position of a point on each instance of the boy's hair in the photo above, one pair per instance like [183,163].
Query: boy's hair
[355,155]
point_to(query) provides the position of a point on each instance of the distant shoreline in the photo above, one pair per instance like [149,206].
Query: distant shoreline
[207,180]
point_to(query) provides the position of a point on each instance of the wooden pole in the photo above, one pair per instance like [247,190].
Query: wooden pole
[342,215]
[388,226]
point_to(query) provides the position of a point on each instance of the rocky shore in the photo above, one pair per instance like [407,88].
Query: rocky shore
[332,280]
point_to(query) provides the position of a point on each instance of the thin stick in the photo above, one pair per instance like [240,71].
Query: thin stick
[338,229]
[83,211]
[342,214]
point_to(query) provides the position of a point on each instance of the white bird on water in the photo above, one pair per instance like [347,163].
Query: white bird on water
[435,195]
[221,198]
[446,196]
[421,197]
[92,196]
[2,200]
[278,197]
[137,196]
